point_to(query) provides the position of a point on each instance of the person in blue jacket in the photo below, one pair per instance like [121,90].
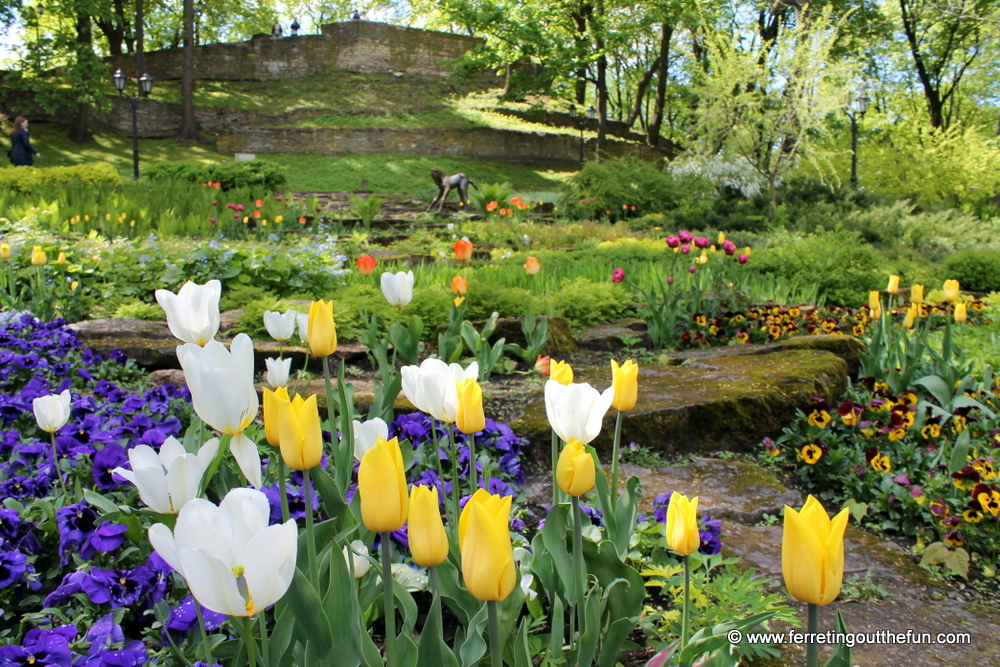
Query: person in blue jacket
[22,153]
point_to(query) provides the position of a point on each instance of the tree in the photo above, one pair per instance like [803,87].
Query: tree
[189,130]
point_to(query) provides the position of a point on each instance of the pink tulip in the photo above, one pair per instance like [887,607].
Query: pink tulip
[685,248]
[685,236]
[670,280]
[673,241]
[729,247]
[743,259]
[618,275]
[692,269]
[701,241]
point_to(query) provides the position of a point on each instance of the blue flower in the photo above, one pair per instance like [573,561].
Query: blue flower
[40,648]
[13,565]
[120,588]
[183,617]
[108,537]
[710,544]
[105,461]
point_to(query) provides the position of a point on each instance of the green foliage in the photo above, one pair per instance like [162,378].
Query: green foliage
[611,184]
[38,179]
[140,310]
[365,208]
[495,192]
[975,270]
[843,266]
[257,175]
[585,303]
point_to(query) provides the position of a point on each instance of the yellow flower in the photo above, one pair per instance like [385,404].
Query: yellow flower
[561,372]
[951,289]
[382,487]
[5,250]
[881,463]
[917,294]
[458,301]
[682,524]
[893,286]
[322,329]
[722,238]
[61,259]
[960,313]
[911,314]
[625,380]
[272,402]
[73,285]
[299,433]
[470,417]
[38,257]
[575,472]
[812,553]
[874,303]
[484,540]
[428,541]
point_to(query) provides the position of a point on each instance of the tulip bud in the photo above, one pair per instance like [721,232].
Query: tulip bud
[951,290]
[280,326]
[322,329]
[428,541]
[4,251]
[366,434]
[625,380]
[277,371]
[272,406]
[303,319]
[463,249]
[38,257]
[812,553]
[917,294]
[893,286]
[543,365]
[470,417]
[532,266]
[398,287]
[722,238]
[484,540]
[382,487]
[682,524]
[61,259]
[52,411]
[960,312]
[361,562]
[73,285]
[365,265]
[459,285]
[561,372]
[911,314]
[192,313]
[299,433]
[874,301]
[575,471]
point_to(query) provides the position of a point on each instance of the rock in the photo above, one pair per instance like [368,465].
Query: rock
[228,319]
[509,328]
[168,375]
[121,327]
[608,337]
[726,402]
[847,348]
[728,490]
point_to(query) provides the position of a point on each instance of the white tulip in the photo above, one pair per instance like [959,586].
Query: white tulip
[52,411]
[280,326]
[361,562]
[398,287]
[526,581]
[192,313]
[366,433]
[303,319]
[233,562]
[169,480]
[431,388]
[576,410]
[223,394]
[278,371]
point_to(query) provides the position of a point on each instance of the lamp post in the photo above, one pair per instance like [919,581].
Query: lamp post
[859,105]
[581,123]
[145,88]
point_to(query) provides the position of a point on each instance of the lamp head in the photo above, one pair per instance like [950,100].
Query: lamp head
[861,103]
[146,84]
[591,113]
[120,79]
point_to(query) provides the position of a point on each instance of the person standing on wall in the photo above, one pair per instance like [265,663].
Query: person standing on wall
[22,153]
[357,16]
[295,27]
[276,30]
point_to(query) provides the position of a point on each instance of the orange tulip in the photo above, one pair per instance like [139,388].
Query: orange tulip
[531,266]
[463,250]
[459,285]
[365,264]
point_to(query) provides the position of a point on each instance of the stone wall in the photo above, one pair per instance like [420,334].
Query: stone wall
[477,143]
[352,46]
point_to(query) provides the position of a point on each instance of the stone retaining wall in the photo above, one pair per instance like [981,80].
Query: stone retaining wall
[477,143]
[352,46]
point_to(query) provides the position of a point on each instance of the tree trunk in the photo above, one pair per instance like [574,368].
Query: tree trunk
[189,131]
[640,91]
[140,56]
[935,105]
[580,19]
[597,27]
[79,131]
[656,123]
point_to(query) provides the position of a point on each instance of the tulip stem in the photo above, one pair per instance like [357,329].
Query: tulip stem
[204,632]
[310,541]
[436,591]
[496,648]
[686,617]
[281,488]
[473,471]
[262,622]
[456,489]
[55,465]
[555,464]
[328,384]
[579,576]
[248,638]
[614,463]
[812,648]
[390,608]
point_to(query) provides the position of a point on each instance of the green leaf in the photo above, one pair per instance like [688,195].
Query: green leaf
[960,453]
[554,538]
[521,650]
[841,656]
[433,651]
[311,621]
[473,648]
[100,502]
[938,388]
[340,604]
[590,625]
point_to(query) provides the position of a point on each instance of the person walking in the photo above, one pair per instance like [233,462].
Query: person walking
[22,153]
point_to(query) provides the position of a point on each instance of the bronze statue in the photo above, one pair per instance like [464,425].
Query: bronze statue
[446,184]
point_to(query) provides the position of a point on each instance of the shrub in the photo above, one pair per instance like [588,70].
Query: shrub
[151,312]
[611,184]
[976,270]
[586,303]
[29,179]
[256,175]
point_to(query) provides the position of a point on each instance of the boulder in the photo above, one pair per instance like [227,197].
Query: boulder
[611,337]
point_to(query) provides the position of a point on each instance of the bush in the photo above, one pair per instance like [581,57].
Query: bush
[586,303]
[256,175]
[975,270]
[611,184]
[29,179]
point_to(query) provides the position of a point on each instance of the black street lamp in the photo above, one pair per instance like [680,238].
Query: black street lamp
[581,123]
[145,88]
[860,107]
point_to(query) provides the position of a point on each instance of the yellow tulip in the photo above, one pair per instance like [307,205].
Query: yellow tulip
[911,314]
[917,294]
[893,286]
[722,238]
[575,472]
[73,285]
[470,417]
[272,402]
[61,259]
[951,289]
[960,313]
[5,250]
[487,555]
[38,257]
[428,541]
[382,487]
[299,433]
[322,329]
[682,524]
[812,553]
[625,380]
[874,303]
[561,372]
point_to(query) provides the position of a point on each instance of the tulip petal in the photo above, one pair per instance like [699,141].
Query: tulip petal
[802,559]
[212,582]
[269,563]
[247,458]
[162,541]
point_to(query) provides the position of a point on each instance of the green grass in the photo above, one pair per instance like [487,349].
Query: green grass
[385,173]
